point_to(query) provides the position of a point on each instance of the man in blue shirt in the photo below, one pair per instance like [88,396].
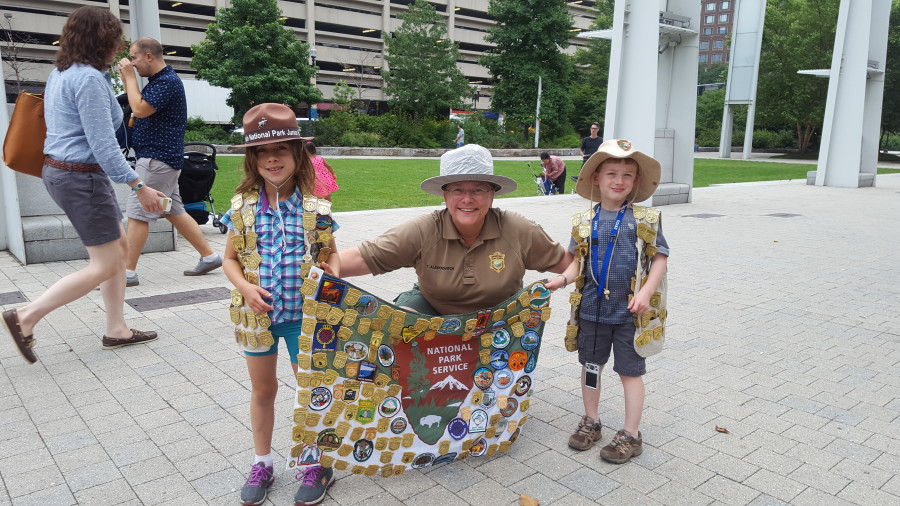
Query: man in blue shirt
[160,118]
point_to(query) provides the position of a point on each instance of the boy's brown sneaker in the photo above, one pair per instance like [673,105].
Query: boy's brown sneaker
[622,448]
[587,432]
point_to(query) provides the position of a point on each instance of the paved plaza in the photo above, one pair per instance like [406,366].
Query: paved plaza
[783,329]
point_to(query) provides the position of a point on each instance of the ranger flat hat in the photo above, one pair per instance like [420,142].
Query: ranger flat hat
[648,170]
[269,123]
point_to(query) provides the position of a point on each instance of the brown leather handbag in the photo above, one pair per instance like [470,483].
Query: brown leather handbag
[23,148]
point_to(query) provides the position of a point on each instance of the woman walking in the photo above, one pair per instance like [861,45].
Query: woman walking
[83,159]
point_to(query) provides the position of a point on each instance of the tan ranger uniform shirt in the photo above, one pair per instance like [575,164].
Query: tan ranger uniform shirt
[455,278]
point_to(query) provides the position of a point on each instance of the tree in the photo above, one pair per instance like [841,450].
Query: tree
[343,96]
[359,70]
[590,78]
[422,77]
[890,111]
[715,73]
[799,34]
[530,36]
[12,43]
[248,50]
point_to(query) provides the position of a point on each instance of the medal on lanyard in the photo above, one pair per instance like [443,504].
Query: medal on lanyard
[610,246]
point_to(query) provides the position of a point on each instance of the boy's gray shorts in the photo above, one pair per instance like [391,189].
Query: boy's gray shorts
[161,177]
[595,340]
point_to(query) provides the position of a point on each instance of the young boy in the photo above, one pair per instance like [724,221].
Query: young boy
[619,303]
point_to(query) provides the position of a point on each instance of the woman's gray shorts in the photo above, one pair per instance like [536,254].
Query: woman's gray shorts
[89,202]
[596,339]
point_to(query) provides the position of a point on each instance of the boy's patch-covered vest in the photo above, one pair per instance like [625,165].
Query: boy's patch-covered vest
[649,328]
[251,329]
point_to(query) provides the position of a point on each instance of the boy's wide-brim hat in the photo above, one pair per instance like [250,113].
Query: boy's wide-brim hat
[269,123]
[468,163]
[648,170]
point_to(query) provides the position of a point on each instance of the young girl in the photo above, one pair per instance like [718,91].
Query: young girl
[278,231]
[326,184]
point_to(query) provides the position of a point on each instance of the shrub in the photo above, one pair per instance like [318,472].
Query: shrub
[890,142]
[198,131]
[768,139]
[361,139]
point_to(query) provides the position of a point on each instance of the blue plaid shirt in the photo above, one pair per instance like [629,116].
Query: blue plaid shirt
[281,245]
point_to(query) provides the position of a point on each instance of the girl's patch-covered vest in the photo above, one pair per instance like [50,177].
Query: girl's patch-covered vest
[649,328]
[251,329]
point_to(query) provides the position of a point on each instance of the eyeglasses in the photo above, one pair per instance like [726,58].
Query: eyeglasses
[475,192]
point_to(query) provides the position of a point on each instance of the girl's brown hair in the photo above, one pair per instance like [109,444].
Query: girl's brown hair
[91,36]
[304,175]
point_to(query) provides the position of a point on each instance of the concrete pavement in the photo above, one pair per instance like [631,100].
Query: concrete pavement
[783,329]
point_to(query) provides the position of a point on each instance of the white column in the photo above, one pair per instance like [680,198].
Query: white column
[144,18]
[727,131]
[878,34]
[10,220]
[853,108]
[631,95]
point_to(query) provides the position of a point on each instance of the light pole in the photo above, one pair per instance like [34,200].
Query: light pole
[477,96]
[313,113]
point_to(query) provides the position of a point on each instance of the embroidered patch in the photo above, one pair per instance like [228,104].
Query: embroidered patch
[625,145]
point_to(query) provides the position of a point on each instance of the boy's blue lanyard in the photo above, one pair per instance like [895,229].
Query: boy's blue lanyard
[602,291]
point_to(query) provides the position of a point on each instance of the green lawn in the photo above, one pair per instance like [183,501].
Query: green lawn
[390,183]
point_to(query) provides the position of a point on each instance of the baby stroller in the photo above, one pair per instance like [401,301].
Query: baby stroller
[544,185]
[196,181]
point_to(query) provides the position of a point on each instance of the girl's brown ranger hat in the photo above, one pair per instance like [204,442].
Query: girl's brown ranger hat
[648,170]
[269,123]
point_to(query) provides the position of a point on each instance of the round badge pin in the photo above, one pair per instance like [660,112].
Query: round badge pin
[518,360]
[445,458]
[535,319]
[320,398]
[385,355]
[530,340]
[503,379]
[523,385]
[457,428]
[483,378]
[328,440]
[540,296]
[511,406]
[422,460]
[356,350]
[366,305]
[501,338]
[398,425]
[323,222]
[362,450]
[499,359]
[449,326]
[479,448]
[389,407]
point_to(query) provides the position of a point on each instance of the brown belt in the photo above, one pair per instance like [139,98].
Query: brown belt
[74,167]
